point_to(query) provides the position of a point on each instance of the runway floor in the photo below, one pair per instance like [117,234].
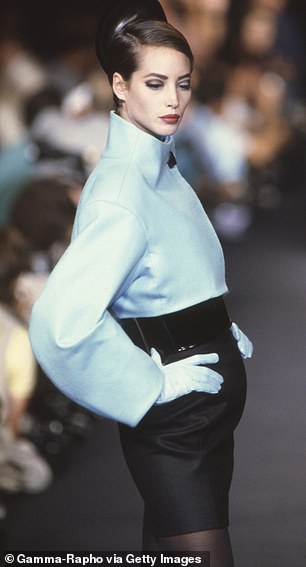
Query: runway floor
[93,505]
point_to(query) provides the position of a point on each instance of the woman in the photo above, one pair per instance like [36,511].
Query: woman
[132,323]
[22,469]
[18,374]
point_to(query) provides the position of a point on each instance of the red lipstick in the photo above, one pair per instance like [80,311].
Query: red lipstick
[170,118]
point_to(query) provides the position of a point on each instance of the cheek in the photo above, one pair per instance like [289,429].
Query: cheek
[144,104]
[185,100]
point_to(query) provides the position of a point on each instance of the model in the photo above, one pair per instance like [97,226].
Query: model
[132,323]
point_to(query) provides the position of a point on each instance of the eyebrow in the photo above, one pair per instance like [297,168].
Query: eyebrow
[164,77]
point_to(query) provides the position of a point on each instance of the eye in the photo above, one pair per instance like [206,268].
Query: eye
[185,86]
[154,85]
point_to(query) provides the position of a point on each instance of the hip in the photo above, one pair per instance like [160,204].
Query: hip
[193,415]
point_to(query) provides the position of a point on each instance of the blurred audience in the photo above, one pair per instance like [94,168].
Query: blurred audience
[67,129]
[271,32]
[213,155]
[20,75]
[22,468]
[205,25]
[247,120]
[44,213]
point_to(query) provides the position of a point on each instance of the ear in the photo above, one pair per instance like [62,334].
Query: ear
[119,86]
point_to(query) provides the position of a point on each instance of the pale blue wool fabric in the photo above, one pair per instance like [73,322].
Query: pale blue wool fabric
[142,246]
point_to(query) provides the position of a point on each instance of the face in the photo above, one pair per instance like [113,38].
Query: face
[157,94]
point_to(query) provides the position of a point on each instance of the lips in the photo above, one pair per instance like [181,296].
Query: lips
[170,118]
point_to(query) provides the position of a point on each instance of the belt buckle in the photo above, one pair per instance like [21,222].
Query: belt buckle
[183,348]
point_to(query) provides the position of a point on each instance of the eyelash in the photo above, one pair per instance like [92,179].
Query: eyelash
[157,86]
[185,86]
[154,86]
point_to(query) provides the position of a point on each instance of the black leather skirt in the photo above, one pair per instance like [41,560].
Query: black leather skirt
[181,454]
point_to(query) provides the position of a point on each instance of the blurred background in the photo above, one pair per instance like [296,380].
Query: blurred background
[242,145]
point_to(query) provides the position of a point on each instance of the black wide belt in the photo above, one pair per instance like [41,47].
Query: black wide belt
[181,330]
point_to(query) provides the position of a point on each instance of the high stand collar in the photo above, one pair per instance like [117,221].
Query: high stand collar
[130,143]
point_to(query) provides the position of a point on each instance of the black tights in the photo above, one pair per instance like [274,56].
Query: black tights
[217,542]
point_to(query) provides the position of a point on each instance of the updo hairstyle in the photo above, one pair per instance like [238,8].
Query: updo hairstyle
[124,48]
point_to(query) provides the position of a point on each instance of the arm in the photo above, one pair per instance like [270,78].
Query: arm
[76,339]
[21,373]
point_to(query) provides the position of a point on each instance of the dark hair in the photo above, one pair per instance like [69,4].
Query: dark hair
[43,212]
[14,260]
[47,97]
[123,51]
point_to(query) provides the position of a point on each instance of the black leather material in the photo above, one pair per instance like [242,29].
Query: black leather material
[180,331]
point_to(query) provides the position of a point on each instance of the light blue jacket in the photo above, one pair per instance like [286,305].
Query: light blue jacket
[142,246]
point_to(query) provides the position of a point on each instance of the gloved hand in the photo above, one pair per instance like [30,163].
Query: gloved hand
[188,375]
[244,344]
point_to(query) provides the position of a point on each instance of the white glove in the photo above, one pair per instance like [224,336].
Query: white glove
[244,344]
[188,375]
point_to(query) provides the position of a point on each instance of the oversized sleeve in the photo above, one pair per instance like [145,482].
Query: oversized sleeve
[75,338]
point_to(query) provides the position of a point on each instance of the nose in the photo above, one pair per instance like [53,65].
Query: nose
[172,97]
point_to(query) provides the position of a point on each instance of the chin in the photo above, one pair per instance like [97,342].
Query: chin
[159,130]
[167,129]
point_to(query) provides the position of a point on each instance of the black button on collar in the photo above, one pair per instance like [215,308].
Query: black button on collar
[171,160]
